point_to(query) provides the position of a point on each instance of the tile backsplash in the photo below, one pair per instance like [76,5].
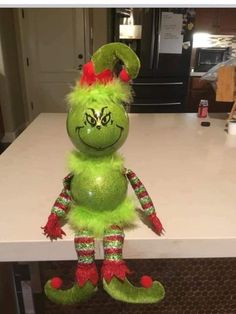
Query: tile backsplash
[207,40]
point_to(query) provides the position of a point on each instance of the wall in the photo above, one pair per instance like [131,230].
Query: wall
[11,99]
[100,27]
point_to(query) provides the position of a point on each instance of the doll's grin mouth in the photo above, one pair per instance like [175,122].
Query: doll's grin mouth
[77,129]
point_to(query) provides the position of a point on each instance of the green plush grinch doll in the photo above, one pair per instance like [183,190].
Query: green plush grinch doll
[94,198]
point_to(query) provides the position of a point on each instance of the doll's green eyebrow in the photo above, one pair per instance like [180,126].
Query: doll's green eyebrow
[101,113]
[94,113]
[103,108]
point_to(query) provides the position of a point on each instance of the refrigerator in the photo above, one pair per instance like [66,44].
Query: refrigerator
[162,39]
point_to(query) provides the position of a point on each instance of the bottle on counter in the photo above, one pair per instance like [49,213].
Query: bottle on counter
[203,108]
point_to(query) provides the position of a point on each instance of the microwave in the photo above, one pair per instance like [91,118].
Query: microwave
[206,58]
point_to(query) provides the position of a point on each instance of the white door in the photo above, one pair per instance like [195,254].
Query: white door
[54,48]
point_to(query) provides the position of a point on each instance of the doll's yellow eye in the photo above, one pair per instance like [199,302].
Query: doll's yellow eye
[106,119]
[91,120]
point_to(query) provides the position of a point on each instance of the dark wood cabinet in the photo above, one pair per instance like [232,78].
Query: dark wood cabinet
[206,20]
[217,21]
[227,21]
[201,89]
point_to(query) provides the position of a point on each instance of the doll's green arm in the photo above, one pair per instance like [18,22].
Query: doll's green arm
[145,201]
[60,208]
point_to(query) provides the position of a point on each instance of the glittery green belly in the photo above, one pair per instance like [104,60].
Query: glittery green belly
[102,190]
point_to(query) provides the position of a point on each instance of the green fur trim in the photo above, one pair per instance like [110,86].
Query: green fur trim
[78,161]
[108,55]
[115,91]
[96,222]
[70,296]
[126,292]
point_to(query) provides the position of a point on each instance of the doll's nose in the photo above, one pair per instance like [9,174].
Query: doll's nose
[98,127]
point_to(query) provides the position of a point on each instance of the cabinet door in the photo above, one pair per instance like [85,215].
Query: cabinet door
[227,21]
[207,20]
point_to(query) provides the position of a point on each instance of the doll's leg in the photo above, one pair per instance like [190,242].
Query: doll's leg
[86,274]
[85,249]
[114,271]
[113,264]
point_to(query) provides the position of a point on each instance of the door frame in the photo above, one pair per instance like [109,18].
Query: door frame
[21,23]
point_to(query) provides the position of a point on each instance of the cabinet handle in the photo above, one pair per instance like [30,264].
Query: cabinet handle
[157,84]
[160,104]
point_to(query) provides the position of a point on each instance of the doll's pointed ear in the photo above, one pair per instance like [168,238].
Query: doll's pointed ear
[108,55]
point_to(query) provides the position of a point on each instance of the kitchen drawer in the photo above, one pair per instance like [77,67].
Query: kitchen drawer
[157,108]
[158,92]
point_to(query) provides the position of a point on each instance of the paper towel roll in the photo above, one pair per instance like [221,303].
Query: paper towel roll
[232,127]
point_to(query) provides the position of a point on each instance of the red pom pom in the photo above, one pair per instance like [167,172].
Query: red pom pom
[146,281]
[88,68]
[88,76]
[56,283]
[124,76]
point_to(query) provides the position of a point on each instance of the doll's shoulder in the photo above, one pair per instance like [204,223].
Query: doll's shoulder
[117,162]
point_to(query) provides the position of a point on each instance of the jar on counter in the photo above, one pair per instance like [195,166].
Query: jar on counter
[203,108]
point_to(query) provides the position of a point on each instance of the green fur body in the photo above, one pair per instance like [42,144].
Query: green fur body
[99,192]
[115,91]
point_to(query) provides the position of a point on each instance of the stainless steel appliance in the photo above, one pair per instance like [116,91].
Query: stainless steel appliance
[163,79]
[206,58]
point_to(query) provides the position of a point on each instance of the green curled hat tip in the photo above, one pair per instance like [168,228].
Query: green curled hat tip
[106,57]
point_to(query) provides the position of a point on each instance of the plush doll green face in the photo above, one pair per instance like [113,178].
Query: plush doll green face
[98,128]
[97,122]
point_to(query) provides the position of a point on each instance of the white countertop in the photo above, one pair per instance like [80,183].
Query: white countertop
[189,171]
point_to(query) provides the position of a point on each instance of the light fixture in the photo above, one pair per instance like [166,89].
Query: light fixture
[201,40]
